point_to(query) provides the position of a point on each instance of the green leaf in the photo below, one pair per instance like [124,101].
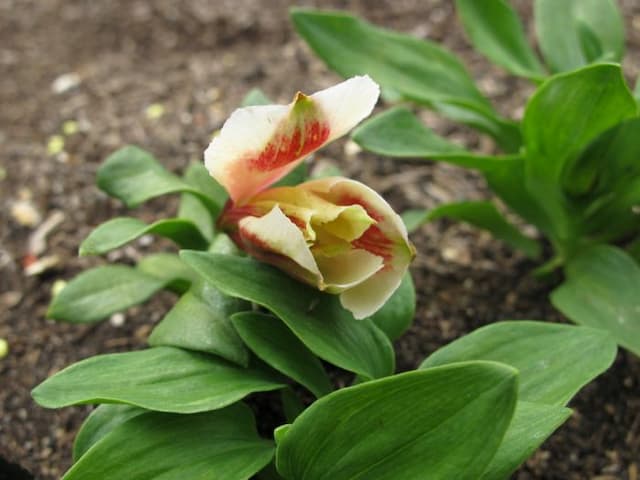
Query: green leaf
[101,291]
[292,406]
[604,183]
[274,343]
[396,315]
[201,321]
[601,291]
[446,422]
[134,176]
[483,215]
[419,70]
[575,33]
[397,132]
[170,269]
[570,110]
[153,446]
[99,423]
[165,379]
[192,207]
[565,114]
[120,231]
[554,361]
[531,425]
[327,329]
[496,31]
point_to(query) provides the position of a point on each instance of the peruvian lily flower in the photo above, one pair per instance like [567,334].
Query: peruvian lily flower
[334,233]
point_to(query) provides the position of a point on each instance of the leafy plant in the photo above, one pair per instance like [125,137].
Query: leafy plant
[476,408]
[570,166]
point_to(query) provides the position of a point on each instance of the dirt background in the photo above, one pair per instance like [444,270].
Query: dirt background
[164,75]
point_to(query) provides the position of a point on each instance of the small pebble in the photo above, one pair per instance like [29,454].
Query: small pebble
[154,111]
[57,287]
[55,145]
[117,320]
[65,82]
[25,213]
[4,348]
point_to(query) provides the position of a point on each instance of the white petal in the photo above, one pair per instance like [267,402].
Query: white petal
[275,233]
[368,297]
[347,103]
[348,269]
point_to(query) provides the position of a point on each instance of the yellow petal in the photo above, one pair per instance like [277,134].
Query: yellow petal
[368,297]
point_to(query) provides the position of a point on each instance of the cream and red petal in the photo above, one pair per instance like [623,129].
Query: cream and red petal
[388,237]
[347,269]
[368,297]
[259,145]
[275,239]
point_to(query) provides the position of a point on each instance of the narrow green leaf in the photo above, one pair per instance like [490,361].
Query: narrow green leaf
[153,446]
[486,216]
[601,291]
[134,176]
[562,117]
[165,379]
[447,422]
[419,70]
[170,269]
[101,291]
[192,207]
[395,316]
[399,133]
[570,110]
[201,321]
[531,425]
[496,31]
[99,423]
[554,361]
[575,33]
[317,319]
[122,230]
[604,183]
[274,343]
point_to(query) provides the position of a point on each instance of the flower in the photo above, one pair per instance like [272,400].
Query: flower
[333,233]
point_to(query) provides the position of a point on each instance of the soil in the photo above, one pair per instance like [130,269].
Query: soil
[103,64]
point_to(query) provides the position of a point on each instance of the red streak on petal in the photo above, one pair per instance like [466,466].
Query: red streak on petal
[350,199]
[284,149]
[375,242]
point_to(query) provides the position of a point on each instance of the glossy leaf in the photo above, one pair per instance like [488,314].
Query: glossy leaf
[152,446]
[554,361]
[395,317]
[201,321]
[574,33]
[418,70]
[570,110]
[165,379]
[447,422]
[101,291]
[317,319]
[99,423]
[274,343]
[604,183]
[192,207]
[134,176]
[122,230]
[562,117]
[601,291]
[486,216]
[496,31]
[531,425]
[399,133]
[170,269]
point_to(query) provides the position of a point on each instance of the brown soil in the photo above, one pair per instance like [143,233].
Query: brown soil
[197,59]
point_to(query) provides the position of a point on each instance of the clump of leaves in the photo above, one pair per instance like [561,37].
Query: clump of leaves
[476,408]
[570,166]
